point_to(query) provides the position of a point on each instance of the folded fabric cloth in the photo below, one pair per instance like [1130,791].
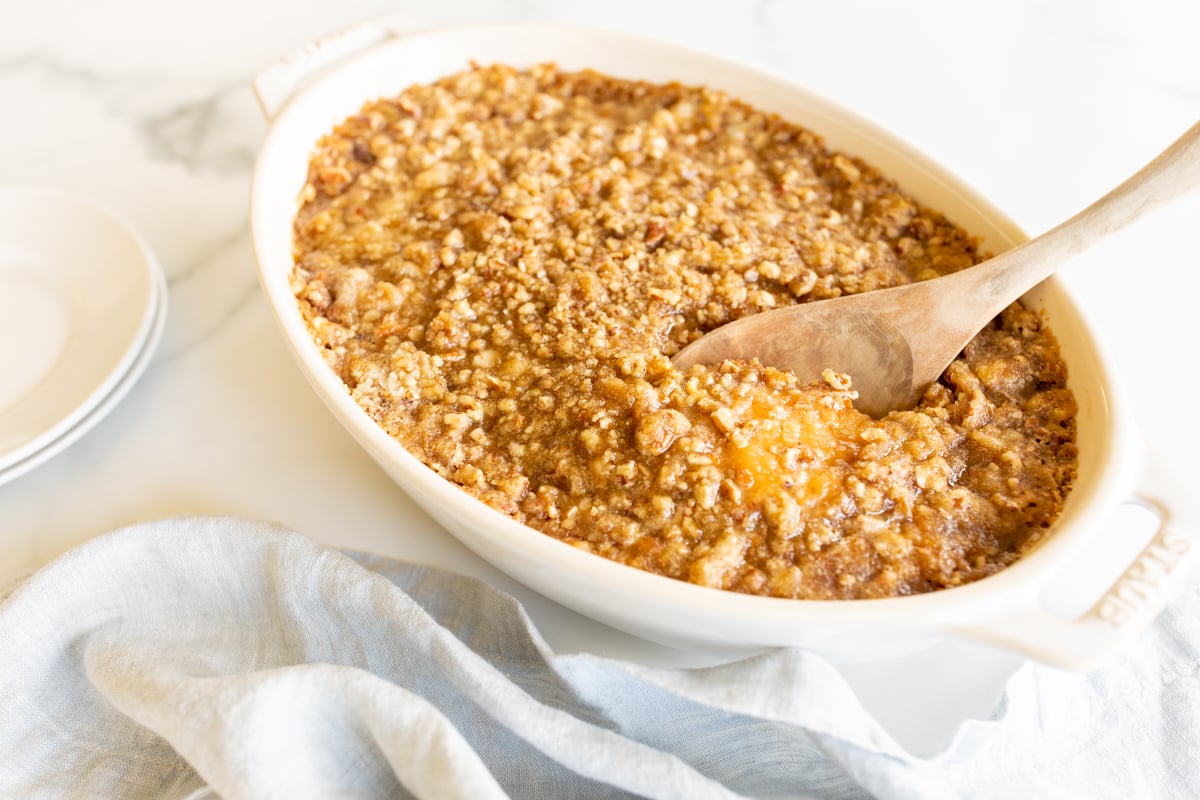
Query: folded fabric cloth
[198,658]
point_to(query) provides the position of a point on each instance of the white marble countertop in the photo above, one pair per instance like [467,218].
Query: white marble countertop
[145,107]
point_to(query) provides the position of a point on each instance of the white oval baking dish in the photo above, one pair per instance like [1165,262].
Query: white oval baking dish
[305,95]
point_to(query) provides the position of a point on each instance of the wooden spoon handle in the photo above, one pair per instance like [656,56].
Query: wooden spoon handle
[1175,171]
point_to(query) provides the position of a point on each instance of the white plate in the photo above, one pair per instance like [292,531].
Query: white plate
[80,293]
[109,401]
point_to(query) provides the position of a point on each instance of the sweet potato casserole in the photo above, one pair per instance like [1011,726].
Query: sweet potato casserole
[500,266]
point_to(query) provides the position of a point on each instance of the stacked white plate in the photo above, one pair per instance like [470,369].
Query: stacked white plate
[82,306]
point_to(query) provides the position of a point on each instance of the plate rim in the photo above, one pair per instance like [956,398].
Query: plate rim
[106,404]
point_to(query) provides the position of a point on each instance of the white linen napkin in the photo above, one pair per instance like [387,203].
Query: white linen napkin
[213,657]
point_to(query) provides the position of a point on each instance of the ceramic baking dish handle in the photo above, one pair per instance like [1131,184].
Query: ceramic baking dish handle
[1164,566]
[276,84]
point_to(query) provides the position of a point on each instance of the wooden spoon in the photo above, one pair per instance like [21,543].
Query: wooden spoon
[895,342]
